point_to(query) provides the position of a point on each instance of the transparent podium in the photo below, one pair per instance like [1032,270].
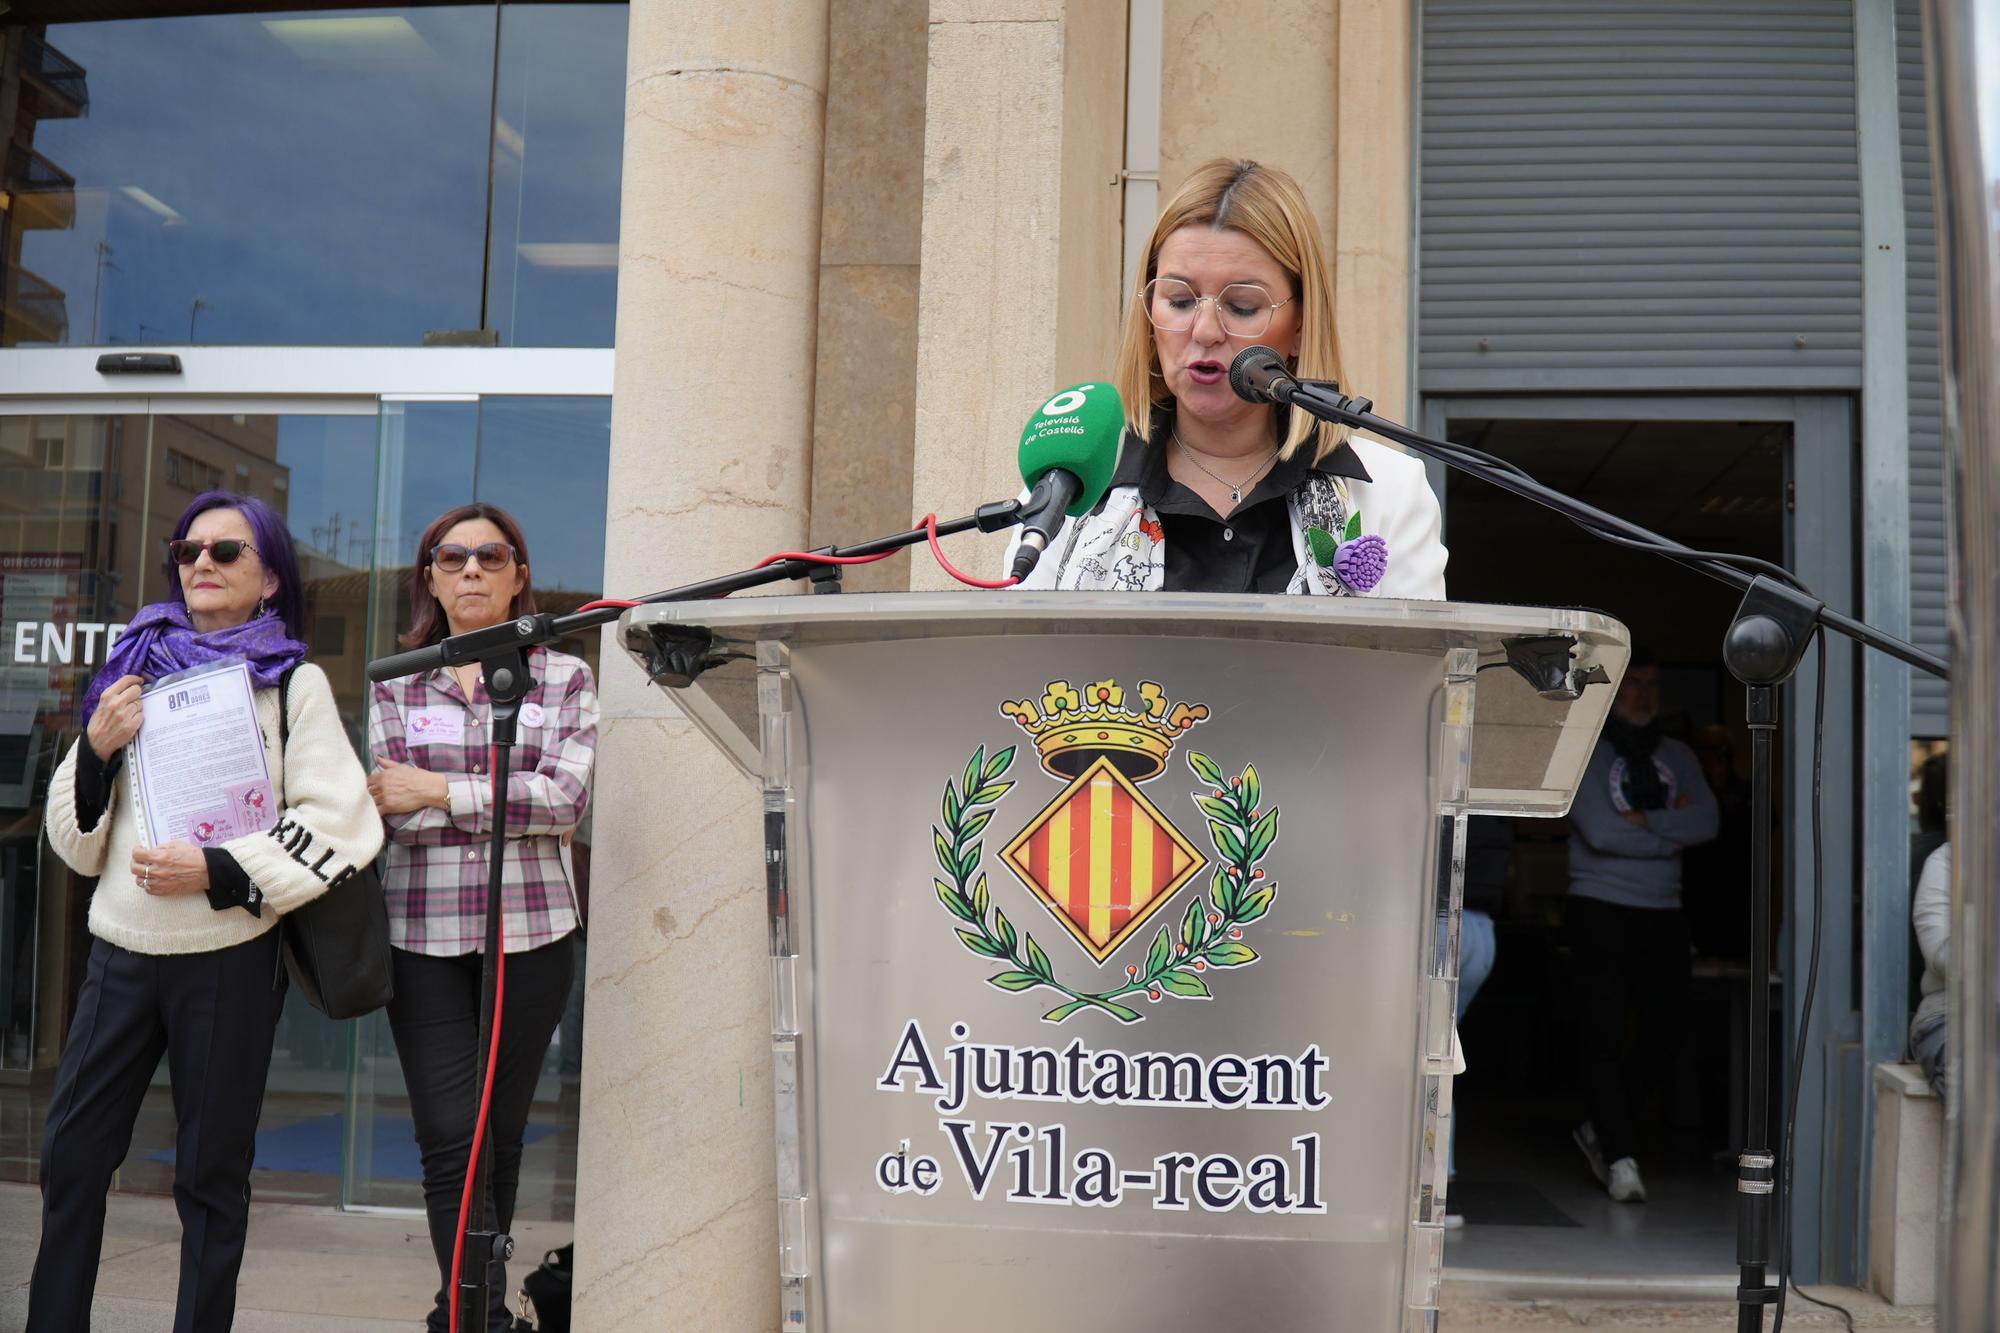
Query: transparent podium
[1114,938]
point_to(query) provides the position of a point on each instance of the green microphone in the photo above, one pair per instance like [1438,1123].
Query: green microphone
[1069,449]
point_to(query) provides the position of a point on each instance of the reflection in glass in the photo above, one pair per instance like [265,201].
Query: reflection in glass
[68,543]
[244,178]
[558,140]
[429,452]
[547,461]
[314,177]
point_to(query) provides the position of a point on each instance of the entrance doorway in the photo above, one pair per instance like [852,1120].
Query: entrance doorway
[1716,479]
[89,493]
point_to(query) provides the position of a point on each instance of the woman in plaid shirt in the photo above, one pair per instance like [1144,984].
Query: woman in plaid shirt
[430,736]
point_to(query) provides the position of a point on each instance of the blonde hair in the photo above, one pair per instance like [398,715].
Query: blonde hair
[1265,204]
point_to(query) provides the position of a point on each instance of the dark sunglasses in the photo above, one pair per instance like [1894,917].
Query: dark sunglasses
[225,552]
[492,556]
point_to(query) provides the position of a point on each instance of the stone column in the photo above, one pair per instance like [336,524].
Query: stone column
[1322,89]
[864,401]
[717,311]
[1023,130]
[1374,205]
[1251,78]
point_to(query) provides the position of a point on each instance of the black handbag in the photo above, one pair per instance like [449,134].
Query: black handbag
[336,947]
[547,1289]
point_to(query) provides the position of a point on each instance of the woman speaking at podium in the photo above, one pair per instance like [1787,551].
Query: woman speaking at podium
[1215,494]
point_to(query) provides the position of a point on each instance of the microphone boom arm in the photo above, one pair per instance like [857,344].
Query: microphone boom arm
[524,632]
[1325,402]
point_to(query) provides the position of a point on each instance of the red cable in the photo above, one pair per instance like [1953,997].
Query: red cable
[486,1093]
[811,558]
[930,530]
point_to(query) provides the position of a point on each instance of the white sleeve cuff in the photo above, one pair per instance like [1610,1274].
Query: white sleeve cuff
[464,795]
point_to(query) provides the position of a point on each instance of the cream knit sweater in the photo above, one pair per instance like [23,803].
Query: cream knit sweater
[328,825]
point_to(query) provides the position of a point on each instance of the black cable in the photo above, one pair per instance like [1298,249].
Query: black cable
[1684,553]
[1788,1141]
[1465,453]
[1478,461]
[1846,1315]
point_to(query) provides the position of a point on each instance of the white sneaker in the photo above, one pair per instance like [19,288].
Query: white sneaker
[1625,1185]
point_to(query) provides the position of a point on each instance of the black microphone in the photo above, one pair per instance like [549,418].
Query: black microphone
[1259,375]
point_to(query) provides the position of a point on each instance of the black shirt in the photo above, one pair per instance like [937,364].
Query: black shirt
[1251,550]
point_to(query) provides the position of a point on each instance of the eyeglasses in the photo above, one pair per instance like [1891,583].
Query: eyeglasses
[492,556]
[1244,309]
[224,552]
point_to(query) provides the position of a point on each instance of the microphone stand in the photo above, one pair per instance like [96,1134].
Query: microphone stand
[1771,630]
[507,683]
[680,655]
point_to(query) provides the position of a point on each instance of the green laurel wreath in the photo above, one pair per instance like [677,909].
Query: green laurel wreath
[1210,932]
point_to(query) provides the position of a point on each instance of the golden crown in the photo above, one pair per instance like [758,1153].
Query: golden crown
[1072,728]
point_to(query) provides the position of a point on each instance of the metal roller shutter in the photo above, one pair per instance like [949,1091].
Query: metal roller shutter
[1929,706]
[1651,195]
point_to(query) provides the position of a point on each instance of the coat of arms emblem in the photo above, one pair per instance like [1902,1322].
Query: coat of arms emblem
[1101,858]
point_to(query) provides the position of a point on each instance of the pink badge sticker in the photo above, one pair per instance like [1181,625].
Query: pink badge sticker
[436,726]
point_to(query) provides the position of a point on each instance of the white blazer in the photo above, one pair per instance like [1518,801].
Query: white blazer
[1396,504]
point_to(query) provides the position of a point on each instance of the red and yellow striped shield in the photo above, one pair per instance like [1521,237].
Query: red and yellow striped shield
[1102,858]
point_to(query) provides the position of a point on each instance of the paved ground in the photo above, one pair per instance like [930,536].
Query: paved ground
[1465,1310]
[309,1270]
[313,1270]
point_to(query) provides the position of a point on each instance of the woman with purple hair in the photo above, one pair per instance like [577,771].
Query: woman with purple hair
[184,957]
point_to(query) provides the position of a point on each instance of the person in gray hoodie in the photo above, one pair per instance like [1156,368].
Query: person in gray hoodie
[1642,800]
[1930,913]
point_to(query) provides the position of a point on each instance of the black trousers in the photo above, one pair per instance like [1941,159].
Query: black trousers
[214,1015]
[1632,967]
[435,1017]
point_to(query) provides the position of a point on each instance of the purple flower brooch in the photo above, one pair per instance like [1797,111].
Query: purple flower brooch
[1357,559]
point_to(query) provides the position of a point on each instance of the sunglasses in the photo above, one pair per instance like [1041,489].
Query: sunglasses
[225,552]
[492,556]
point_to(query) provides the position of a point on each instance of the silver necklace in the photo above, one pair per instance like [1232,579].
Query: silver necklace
[1235,488]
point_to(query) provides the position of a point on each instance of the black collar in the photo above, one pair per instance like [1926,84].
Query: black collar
[1144,465]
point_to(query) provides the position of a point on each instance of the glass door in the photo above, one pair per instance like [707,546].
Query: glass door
[546,460]
[68,542]
[87,500]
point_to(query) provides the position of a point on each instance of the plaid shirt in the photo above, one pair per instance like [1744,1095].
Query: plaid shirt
[435,876]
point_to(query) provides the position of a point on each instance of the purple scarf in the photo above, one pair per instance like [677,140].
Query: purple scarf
[162,639]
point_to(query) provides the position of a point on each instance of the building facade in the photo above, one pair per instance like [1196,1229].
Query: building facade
[1673,255]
